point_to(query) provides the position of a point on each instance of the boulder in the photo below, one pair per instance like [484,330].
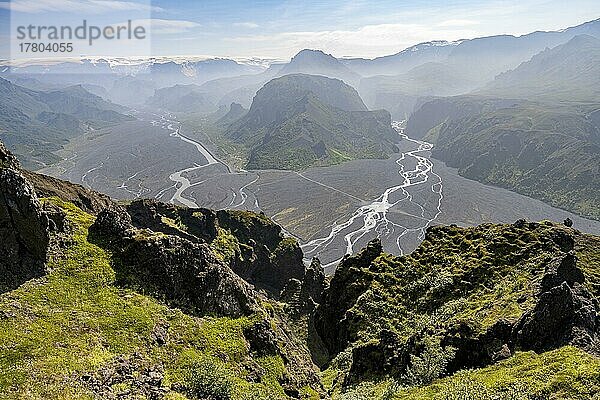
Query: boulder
[24,229]
[302,296]
[196,225]
[563,315]
[388,356]
[7,159]
[262,338]
[185,274]
[562,269]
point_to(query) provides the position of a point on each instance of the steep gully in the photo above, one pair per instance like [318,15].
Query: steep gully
[369,218]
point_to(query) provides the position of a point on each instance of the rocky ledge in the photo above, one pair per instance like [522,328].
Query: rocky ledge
[469,296]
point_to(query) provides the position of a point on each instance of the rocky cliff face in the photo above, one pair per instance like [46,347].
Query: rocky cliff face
[24,227]
[565,312]
[24,231]
[173,268]
[262,255]
[250,244]
[390,313]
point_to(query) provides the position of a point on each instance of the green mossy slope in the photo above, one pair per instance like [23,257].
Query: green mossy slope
[67,335]
[391,322]
[60,332]
[565,373]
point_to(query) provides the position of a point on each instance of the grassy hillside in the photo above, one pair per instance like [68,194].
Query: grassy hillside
[299,121]
[457,306]
[548,152]
[75,334]
[70,334]
[566,373]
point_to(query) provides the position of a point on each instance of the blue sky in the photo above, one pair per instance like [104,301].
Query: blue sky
[278,29]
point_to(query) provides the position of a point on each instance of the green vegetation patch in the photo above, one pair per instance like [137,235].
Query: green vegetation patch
[565,373]
[459,280]
[468,275]
[57,331]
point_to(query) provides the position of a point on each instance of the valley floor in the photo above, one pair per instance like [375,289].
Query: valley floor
[331,210]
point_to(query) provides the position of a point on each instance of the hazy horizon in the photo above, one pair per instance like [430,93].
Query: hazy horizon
[277,30]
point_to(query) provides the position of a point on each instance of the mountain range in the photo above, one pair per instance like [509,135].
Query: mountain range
[542,139]
[568,72]
[548,78]
[37,123]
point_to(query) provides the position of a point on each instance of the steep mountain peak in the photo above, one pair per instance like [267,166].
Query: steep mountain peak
[328,90]
[236,108]
[236,111]
[310,54]
[300,120]
[316,62]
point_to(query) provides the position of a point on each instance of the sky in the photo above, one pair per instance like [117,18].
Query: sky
[279,29]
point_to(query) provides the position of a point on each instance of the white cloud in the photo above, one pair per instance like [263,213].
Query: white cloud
[248,25]
[165,26]
[76,6]
[367,41]
[458,22]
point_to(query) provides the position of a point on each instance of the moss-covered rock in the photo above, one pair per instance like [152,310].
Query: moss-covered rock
[478,294]
[24,231]
[260,253]
[77,333]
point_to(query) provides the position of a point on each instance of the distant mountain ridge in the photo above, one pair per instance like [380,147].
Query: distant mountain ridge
[570,72]
[395,82]
[133,82]
[403,61]
[483,56]
[400,93]
[462,66]
[316,62]
[182,98]
[37,123]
